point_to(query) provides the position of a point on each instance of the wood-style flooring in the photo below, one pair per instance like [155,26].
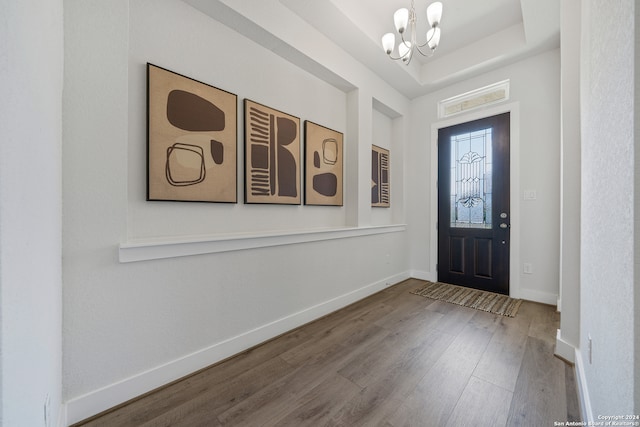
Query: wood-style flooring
[392,359]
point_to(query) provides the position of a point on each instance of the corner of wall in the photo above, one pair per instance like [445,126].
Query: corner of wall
[564,350]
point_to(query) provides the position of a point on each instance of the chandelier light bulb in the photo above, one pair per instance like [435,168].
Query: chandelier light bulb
[404,49]
[388,42]
[401,19]
[433,37]
[434,14]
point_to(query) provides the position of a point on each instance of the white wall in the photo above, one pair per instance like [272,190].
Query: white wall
[31,66]
[535,88]
[607,224]
[130,327]
[279,85]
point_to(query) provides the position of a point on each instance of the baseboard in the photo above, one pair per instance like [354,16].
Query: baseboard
[583,391]
[394,280]
[62,416]
[564,350]
[423,275]
[537,296]
[100,400]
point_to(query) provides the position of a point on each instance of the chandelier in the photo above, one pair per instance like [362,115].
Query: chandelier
[405,21]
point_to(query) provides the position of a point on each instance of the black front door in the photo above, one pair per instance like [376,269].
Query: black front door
[473,204]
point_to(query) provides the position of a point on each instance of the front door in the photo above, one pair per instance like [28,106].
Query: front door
[473,204]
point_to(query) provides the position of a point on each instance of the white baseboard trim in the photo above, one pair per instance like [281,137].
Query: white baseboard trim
[565,350]
[62,416]
[537,296]
[94,402]
[423,275]
[583,391]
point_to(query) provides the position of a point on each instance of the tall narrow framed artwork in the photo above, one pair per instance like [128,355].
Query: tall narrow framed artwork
[192,132]
[323,165]
[272,155]
[380,185]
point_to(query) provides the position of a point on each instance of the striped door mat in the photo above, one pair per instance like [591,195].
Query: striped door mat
[473,298]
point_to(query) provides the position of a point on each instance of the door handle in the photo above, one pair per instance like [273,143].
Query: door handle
[504,225]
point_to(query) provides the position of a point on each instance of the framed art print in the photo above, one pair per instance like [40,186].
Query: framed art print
[272,155]
[380,186]
[323,165]
[191,139]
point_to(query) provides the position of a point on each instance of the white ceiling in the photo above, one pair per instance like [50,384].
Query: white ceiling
[477,35]
[463,21]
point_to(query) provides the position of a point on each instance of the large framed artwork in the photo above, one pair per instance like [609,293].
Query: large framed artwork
[380,185]
[192,136]
[323,165]
[272,155]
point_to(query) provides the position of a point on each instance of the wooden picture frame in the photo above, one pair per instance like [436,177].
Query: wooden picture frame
[272,155]
[192,134]
[324,165]
[380,174]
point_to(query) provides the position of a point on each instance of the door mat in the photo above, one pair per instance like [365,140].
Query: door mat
[473,298]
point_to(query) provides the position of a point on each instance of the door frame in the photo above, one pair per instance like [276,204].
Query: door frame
[514,191]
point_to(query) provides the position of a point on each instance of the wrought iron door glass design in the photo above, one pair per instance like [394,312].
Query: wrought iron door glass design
[471,175]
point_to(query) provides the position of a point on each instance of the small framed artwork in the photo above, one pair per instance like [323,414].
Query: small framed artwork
[272,155]
[380,186]
[323,165]
[192,136]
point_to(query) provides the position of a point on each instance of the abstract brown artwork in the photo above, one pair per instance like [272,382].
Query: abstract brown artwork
[191,139]
[323,165]
[380,186]
[272,155]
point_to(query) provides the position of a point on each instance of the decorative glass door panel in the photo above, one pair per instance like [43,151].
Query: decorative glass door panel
[471,166]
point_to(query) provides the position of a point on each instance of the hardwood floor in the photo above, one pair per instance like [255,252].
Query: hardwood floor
[393,359]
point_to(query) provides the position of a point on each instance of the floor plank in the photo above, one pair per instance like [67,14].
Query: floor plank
[393,359]
[387,383]
[500,363]
[321,403]
[481,404]
[540,393]
[215,400]
[275,401]
[436,395]
[455,317]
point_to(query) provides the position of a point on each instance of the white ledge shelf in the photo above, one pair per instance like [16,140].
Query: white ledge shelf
[145,250]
